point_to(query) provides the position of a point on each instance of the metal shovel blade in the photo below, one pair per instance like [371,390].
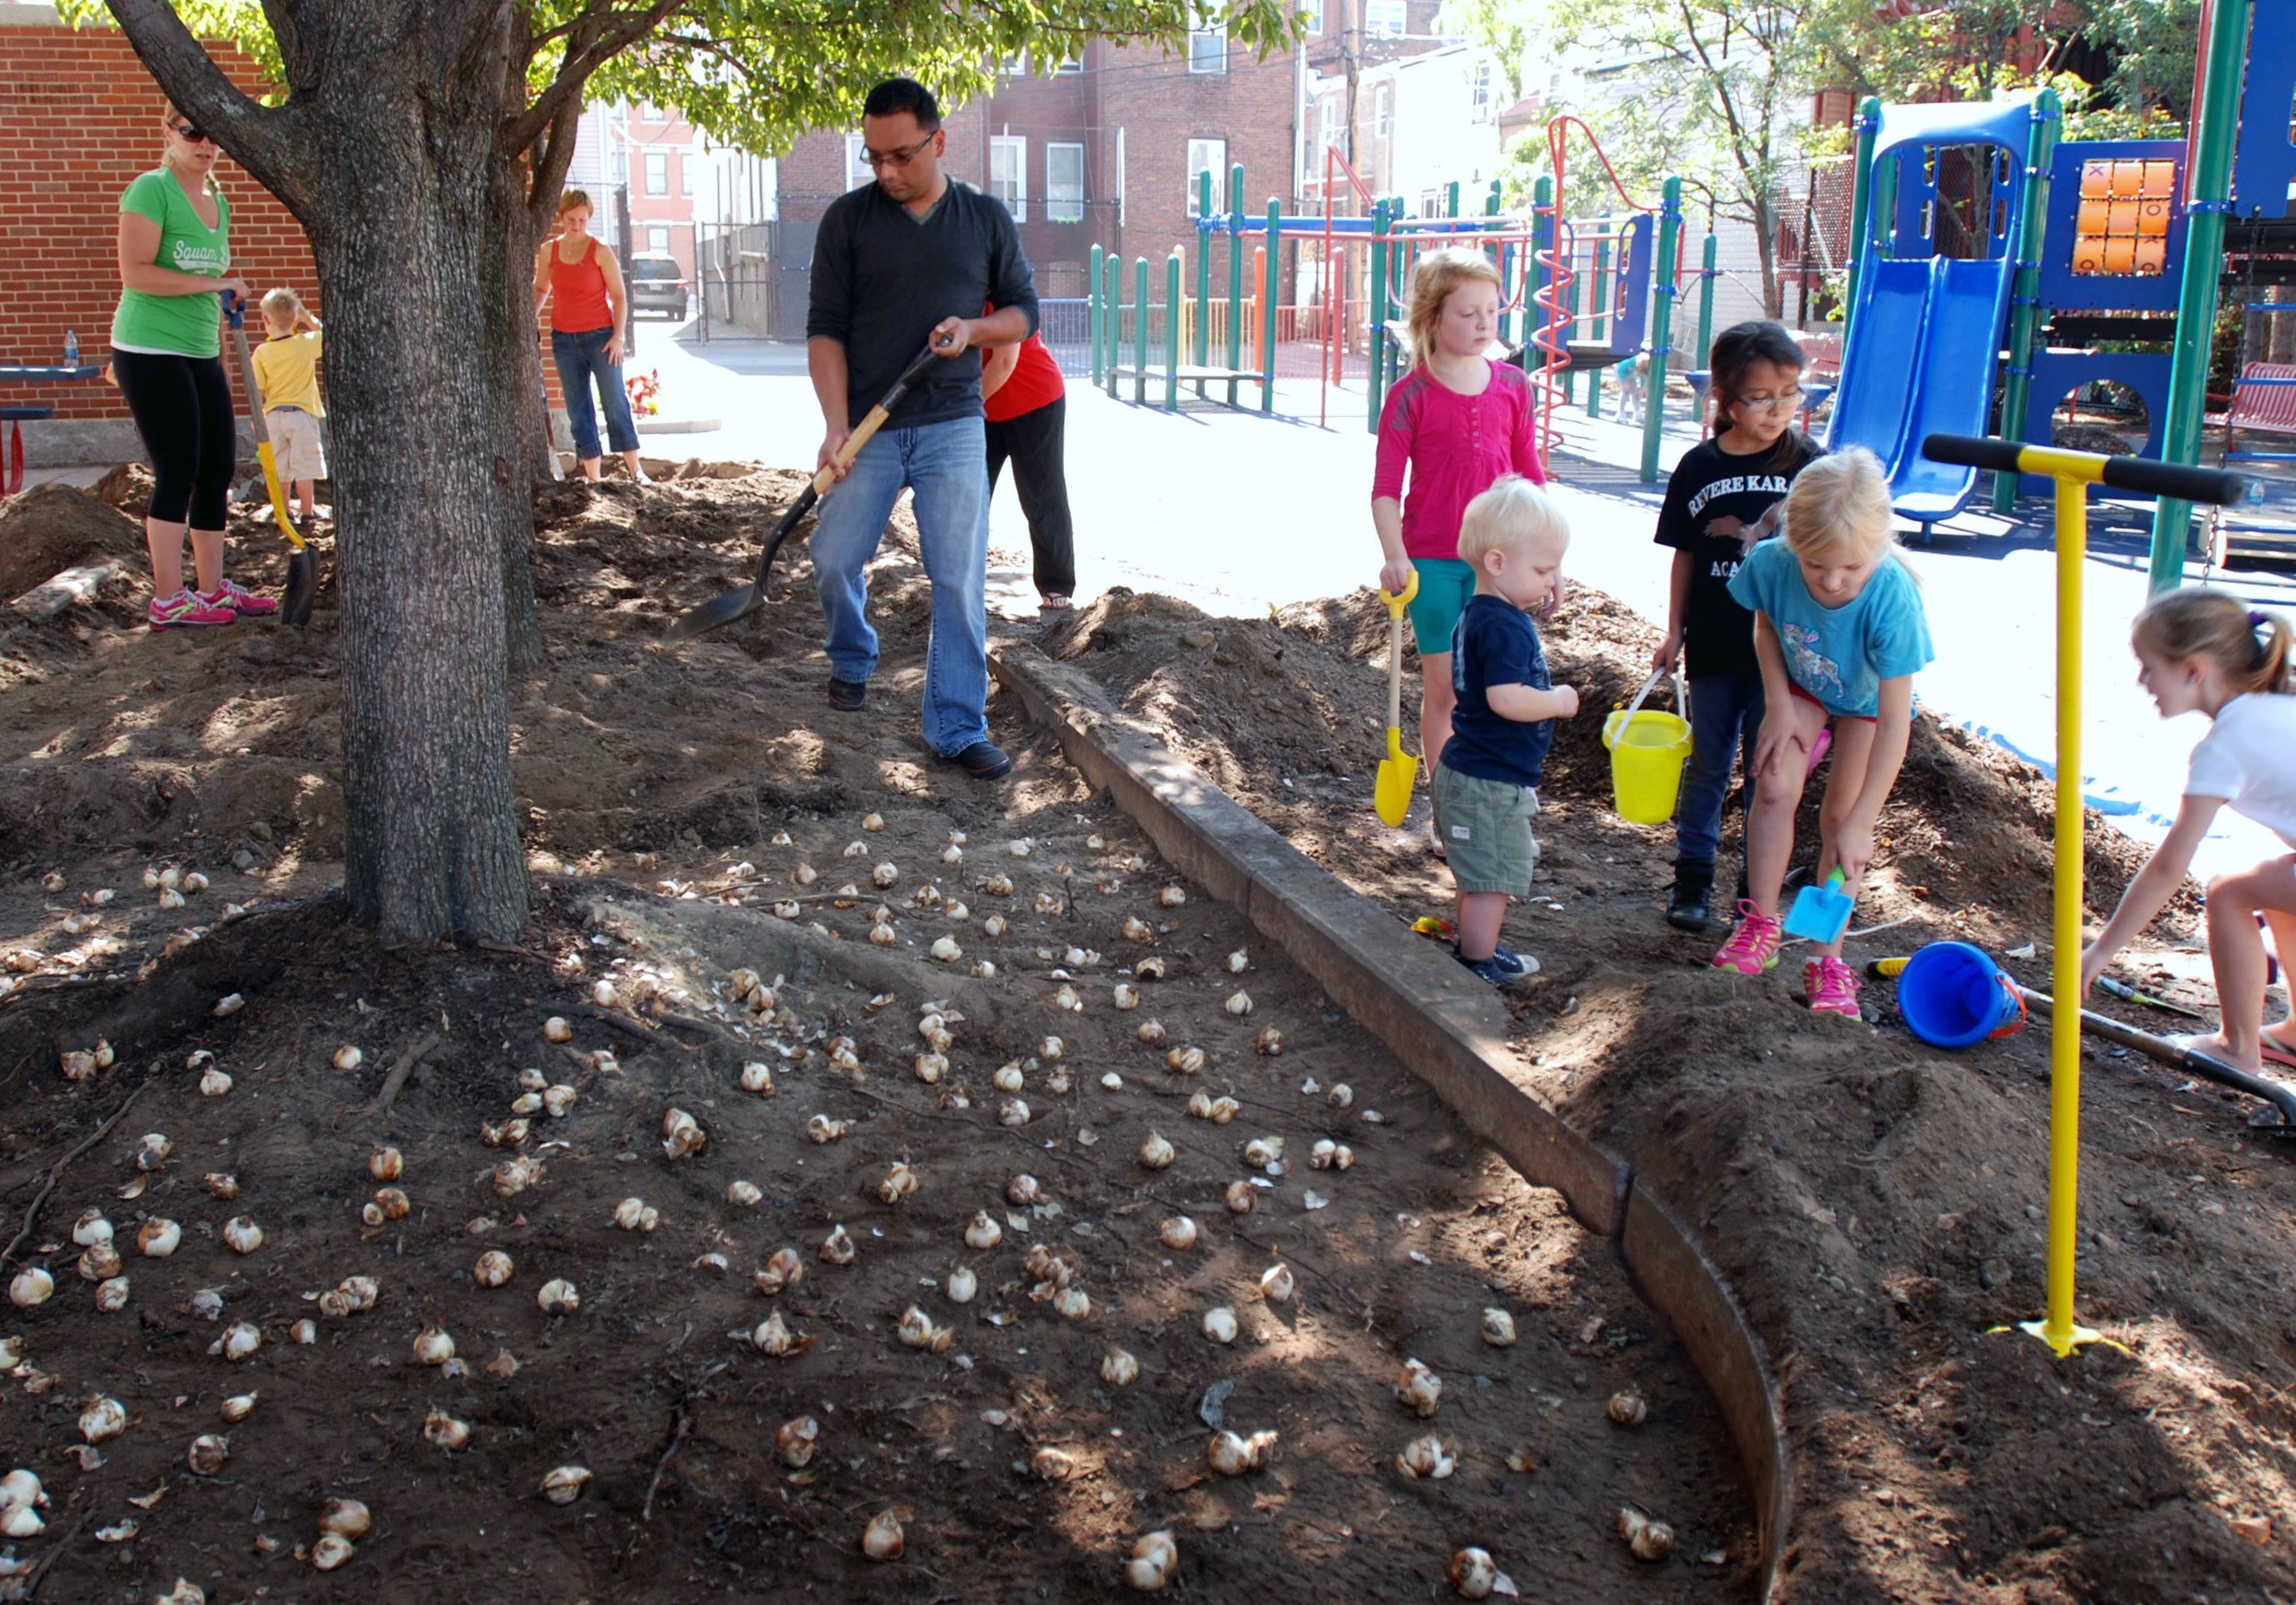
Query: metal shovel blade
[1397,771]
[1820,913]
[302,588]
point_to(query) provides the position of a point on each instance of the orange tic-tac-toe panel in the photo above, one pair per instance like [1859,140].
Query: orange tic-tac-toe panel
[2123,223]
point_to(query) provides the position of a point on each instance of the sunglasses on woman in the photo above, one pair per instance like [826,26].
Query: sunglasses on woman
[190,134]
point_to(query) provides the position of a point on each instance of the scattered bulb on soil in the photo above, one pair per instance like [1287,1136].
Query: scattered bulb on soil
[1340,1095]
[385,1164]
[91,1229]
[775,1340]
[563,1484]
[229,1005]
[345,1518]
[443,1431]
[433,1347]
[1242,1198]
[837,1247]
[557,1028]
[881,1539]
[1647,1539]
[1023,1190]
[1155,1559]
[983,1233]
[795,1441]
[152,1150]
[1219,1324]
[102,1419]
[242,1235]
[392,1204]
[31,1288]
[1499,1327]
[784,1268]
[744,1195]
[885,875]
[999,886]
[1232,1455]
[1277,1284]
[1185,1061]
[1474,1573]
[917,1331]
[111,1295]
[821,1128]
[493,1270]
[901,1181]
[1628,1409]
[99,1262]
[873,822]
[158,1237]
[805,874]
[239,1340]
[1156,1153]
[1419,1388]
[963,1285]
[1013,1113]
[1425,1457]
[882,935]
[222,1185]
[1328,1155]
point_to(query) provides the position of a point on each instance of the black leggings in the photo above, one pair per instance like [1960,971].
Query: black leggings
[182,410]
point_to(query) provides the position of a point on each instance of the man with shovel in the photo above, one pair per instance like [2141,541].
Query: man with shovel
[900,266]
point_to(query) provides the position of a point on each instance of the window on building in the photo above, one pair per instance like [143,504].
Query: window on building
[1068,65]
[656,172]
[648,112]
[1382,110]
[1480,92]
[1384,18]
[1327,123]
[1208,156]
[1208,48]
[856,164]
[686,173]
[1311,17]
[1014,67]
[658,242]
[1008,173]
[1431,203]
[1063,182]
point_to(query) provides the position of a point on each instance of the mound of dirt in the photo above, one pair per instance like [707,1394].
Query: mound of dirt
[1876,1205]
[128,487]
[50,527]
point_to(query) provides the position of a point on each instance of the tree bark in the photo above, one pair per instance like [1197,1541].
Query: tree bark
[514,372]
[432,847]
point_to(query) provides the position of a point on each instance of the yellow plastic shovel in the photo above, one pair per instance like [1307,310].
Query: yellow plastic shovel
[1391,792]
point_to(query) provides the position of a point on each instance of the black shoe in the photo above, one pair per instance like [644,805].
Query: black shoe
[848,696]
[1693,888]
[983,760]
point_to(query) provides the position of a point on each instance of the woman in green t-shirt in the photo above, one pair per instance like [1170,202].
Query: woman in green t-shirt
[175,256]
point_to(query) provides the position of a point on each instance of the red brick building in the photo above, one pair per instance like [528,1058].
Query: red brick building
[79,117]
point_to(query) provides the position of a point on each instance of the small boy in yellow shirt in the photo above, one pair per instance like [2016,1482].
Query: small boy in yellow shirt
[287,369]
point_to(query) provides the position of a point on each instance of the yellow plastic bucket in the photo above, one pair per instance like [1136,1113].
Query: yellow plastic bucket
[1648,749]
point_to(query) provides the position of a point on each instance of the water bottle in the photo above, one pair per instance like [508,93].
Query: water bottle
[71,349]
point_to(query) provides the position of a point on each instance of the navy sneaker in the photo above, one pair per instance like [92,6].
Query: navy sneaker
[983,760]
[1502,968]
[848,696]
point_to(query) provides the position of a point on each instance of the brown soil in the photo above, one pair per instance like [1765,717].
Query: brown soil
[669,798]
[50,527]
[1877,1205]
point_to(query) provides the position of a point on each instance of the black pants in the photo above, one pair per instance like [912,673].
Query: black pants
[1033,441]
[182,407]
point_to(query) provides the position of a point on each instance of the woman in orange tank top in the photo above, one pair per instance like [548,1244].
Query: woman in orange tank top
[578,276]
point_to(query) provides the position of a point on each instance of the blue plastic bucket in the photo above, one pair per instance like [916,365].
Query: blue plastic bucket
[1954,995]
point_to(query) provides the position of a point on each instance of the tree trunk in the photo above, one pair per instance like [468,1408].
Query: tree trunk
[513,369]
[432,848]
[1766,243]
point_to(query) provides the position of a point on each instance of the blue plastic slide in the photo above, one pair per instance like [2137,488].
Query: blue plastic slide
[1926,333]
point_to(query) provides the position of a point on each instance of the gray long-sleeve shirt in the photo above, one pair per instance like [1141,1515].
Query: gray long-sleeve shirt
[882,277]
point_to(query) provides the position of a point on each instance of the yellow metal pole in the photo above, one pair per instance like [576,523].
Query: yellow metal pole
[2057,1329]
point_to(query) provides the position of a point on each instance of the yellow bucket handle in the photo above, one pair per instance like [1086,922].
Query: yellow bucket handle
[1681,698]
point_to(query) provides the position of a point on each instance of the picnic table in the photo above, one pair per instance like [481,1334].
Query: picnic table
[12,479]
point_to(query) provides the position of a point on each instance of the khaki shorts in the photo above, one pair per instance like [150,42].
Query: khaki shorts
[295,444]
[1485,828]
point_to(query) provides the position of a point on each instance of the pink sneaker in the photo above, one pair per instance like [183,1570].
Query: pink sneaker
[240,600]
[1830,986]
[182,609]
[1753,945]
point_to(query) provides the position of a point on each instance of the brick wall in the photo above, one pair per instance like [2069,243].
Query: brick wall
[79,118]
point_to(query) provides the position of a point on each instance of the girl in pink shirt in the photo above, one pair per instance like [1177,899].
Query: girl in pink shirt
[1457,421]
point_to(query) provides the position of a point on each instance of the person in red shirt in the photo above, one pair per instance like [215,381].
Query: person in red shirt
[1026,408]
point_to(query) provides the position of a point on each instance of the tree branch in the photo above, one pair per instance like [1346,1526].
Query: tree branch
[256,137]
[625,29]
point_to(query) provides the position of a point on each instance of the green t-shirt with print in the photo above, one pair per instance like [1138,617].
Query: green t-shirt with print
[186,325]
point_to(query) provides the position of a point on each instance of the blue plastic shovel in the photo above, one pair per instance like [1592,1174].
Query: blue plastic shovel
[1820,913]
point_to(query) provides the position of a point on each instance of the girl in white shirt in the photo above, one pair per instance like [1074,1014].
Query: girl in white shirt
[2206,651]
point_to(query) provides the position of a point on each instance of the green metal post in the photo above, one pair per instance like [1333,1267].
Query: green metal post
[1098,315]
[1706,297]
[1374,334]
[1140,331]
[1173,307]
[1111,271]
[1235,274]
[1861,201]
[2025,311]
[1662,326]
[1268,305]
[1599,331]
[1451,200]
[2208,189]
[1201,344]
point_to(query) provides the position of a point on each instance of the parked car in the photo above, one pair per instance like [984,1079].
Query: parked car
[658,284]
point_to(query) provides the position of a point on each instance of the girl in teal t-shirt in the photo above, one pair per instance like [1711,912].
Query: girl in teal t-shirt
[175,259]
[1840,632]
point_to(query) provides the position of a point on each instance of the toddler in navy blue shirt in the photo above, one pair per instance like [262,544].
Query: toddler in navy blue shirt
[1486,782]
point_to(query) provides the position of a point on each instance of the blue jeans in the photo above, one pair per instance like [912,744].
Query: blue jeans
[945,465]
[1726,718]
[580,357]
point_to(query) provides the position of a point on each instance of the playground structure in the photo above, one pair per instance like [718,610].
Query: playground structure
[1579,294]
